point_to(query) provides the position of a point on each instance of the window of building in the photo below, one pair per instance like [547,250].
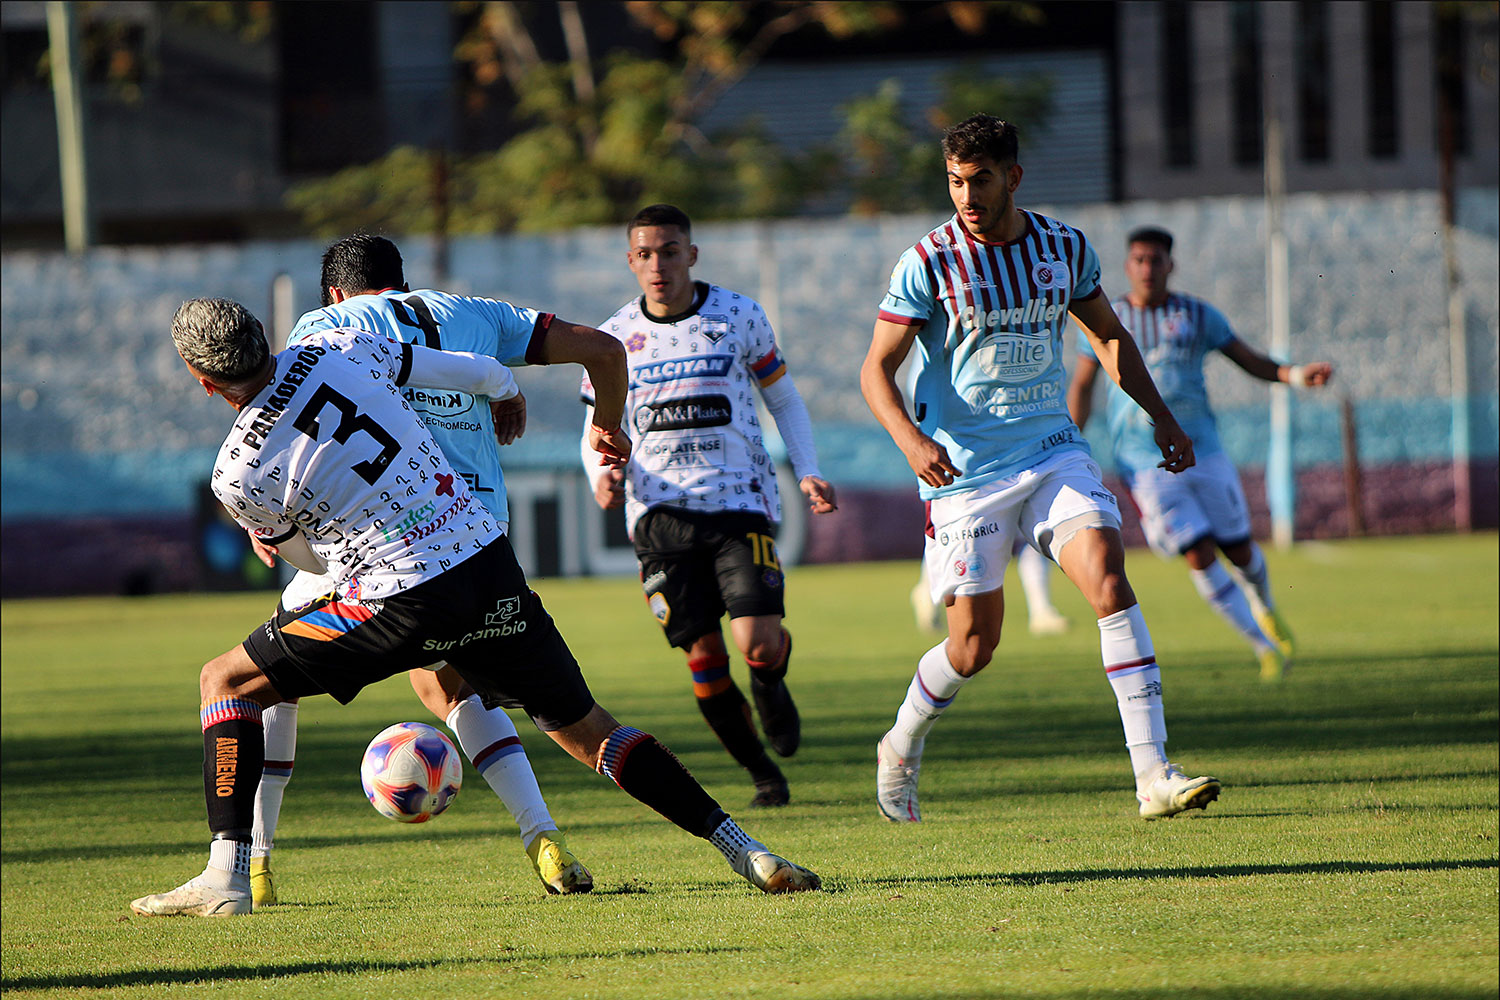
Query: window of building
[1177,84]
[1245,79]
[1448,62]
[1380,74]
[1312,80]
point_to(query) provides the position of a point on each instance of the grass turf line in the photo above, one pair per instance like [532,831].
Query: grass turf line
[1353,854]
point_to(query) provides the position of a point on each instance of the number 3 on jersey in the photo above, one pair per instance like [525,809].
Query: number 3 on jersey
[763,550]
[351,421]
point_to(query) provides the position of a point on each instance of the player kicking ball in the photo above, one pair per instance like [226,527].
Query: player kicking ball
[986,297]
[364,287]
[322,448]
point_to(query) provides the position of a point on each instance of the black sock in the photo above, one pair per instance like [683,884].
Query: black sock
[234,751]
[728,715]
[650,773]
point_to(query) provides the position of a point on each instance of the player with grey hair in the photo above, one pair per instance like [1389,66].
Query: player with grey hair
[326,461]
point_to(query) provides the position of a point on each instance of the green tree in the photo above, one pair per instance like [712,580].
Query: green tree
[600,137]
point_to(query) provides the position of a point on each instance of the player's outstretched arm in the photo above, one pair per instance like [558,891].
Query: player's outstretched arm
[607,477]
[1121,359]
[1314,374]
[603,357]
[877,380]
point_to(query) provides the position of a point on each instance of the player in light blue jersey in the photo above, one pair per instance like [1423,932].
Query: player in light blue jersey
[1202,511]
[363,287]
[984,299]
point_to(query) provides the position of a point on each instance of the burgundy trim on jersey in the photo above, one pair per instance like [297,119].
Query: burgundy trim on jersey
[404,372]
[534,353]
[900,320]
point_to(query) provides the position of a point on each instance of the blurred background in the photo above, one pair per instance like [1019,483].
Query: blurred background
[1331,171]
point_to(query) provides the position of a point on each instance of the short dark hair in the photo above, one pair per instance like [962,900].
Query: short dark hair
[220,339]
[361,263]
[980,136]
[1151,234]
[660,215]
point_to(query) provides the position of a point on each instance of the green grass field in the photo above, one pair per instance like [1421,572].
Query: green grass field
[1353,854]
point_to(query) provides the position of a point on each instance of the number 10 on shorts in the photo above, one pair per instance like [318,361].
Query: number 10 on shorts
[763,550]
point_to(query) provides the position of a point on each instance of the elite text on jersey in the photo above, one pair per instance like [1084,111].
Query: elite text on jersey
[987,378]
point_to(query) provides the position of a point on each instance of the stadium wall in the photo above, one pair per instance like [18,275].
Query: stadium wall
[106,441]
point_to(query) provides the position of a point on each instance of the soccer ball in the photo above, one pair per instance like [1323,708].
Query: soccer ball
[411,772]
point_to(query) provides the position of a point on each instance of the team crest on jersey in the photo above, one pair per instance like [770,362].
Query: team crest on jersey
[715,328]
[942,238]
[660,610]
[1047,274]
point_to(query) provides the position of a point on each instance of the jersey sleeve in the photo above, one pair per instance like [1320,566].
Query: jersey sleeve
[1215,329]
[268,528]
[316,321]
[1086,271]
[519,331]
[909,299]
[761,353]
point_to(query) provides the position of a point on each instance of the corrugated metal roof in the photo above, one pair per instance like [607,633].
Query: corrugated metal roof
[1067,161]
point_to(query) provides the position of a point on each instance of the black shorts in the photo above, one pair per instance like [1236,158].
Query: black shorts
[480,616]
[695,566]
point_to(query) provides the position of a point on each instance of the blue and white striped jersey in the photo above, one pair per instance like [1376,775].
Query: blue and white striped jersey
[1174,338]
[987,376]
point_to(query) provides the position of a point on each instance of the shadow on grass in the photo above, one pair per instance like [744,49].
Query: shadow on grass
[219,973]
[1196,871]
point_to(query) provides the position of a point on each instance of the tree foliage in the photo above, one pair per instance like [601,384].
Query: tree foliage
[599,137]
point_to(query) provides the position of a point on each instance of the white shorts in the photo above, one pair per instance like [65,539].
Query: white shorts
[1205,501]
[971,535]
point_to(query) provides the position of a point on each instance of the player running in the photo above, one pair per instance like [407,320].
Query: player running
[1202,509]
[364,288]
[327,461]
[984,298]
[700,496]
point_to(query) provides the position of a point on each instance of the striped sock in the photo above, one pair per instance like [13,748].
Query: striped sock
[1130,665]
[490,741]
[933,688]
[1215,586]
[648,772]
[233,752]
[279,723]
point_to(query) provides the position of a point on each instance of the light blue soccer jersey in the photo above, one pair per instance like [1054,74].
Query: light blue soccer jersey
[987,376]
[460,423]
[1174,338]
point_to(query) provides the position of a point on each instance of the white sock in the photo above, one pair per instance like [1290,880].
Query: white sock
[1130,665]
[1254,576]
[735,844]
[489,740]
[932,689]
[1035,571]
[228,865]
[280,723]
[1223,595]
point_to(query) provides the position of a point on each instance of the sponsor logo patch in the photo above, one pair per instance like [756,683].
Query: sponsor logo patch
[660,609]
[681,414]
[684,453]
[703,366]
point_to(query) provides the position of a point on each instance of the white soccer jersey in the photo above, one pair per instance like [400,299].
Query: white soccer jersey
[329,448]
[691,405]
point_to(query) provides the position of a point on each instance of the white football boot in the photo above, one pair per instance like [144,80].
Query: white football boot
[773,874]
[196,898]
[1169,792]
[896,784]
